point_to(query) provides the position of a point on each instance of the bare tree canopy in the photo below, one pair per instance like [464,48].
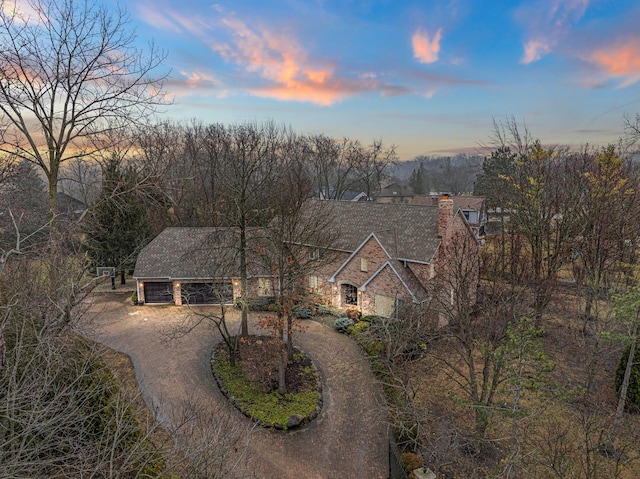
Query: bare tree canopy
[69,74]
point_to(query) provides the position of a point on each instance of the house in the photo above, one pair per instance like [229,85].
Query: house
[395,193]
[388,253]
[383,254]
[196,266]
[473,208]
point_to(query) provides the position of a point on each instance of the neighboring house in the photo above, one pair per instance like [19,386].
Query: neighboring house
[384,254]
[473,208]
[395,193]
[70,206]
[348,195]
[196,266]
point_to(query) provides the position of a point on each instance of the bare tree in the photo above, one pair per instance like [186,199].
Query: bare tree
[246,156]
[372,166]
[298,226]
[607,232]
[69,73]
[81,180]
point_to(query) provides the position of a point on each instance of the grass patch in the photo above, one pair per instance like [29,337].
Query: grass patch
[270,407]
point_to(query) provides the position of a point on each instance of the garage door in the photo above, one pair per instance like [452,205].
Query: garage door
[158,292]
[207,293]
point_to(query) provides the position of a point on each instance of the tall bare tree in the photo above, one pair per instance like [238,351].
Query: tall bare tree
[69,73]
[247,156]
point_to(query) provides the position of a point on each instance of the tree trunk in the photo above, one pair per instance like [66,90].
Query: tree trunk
[622,399]
[290,337]
[282,368]
[244,323]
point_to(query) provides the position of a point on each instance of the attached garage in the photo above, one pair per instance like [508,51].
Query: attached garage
[207,293]
[158,292]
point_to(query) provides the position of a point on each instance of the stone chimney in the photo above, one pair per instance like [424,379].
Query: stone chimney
[445,215]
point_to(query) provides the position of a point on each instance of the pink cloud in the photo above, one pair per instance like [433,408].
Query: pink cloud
[534,50]
[426,49]
[547,23]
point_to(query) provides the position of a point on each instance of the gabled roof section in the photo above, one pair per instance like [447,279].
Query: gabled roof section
[193,253]
[372,235]
[407,278]
[408,232]
[395,190]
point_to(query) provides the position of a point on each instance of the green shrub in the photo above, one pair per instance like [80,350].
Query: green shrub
[374,348]
[302,312]
[274,308]
[342,324]
[261,303]
[369,318]
[134,297]
[327,310]
[359,327]
[633,393]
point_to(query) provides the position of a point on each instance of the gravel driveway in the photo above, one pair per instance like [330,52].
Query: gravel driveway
[347,440]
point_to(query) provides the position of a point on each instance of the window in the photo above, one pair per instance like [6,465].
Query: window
[384,305]
[264,287]
[315,283]
[364,264]
[314,253]
[471,216]
[349,295]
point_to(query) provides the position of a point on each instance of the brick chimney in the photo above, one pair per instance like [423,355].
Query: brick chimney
[445,215]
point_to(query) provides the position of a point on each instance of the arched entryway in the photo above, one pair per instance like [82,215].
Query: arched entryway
[348,295]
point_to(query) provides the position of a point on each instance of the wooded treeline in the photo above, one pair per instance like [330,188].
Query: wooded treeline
[538,378]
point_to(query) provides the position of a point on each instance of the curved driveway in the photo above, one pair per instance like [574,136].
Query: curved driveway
[347,440]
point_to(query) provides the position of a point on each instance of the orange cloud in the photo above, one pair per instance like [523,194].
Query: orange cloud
[619,60]
[426,49]
[281,60]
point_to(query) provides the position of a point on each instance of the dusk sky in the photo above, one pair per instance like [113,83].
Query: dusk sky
[427,76]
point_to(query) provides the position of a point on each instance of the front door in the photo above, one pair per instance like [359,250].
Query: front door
[349,294]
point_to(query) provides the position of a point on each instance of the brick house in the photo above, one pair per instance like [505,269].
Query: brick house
[383,254]
[389,253]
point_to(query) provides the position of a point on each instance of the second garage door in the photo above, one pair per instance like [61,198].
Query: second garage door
[207,293]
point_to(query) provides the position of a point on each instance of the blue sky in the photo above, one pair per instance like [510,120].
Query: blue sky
[427,76]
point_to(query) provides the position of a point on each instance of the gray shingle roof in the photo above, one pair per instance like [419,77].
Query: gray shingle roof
[191,253]
[406,231]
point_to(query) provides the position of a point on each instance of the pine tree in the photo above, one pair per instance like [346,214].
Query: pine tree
[417,180]
[117,227]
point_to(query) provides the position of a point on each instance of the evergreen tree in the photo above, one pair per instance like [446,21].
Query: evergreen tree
[117,227]
[492,182]
[417,180]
